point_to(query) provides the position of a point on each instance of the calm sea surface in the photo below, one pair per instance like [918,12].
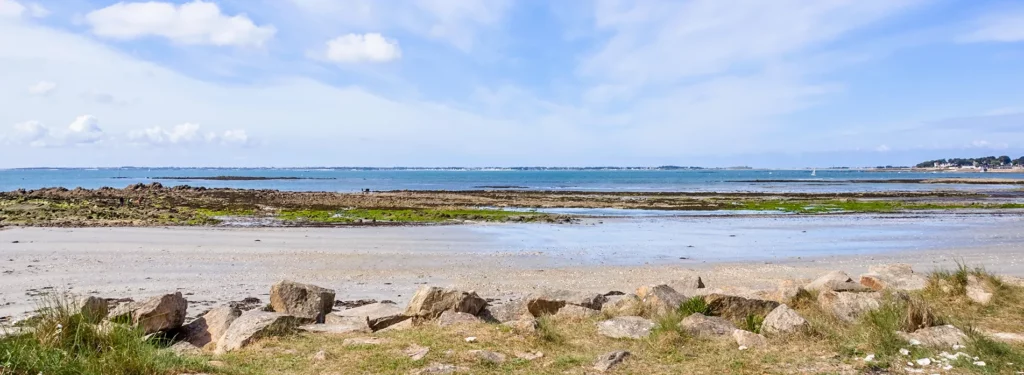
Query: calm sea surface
[347,180]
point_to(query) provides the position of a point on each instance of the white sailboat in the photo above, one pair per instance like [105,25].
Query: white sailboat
[814,172]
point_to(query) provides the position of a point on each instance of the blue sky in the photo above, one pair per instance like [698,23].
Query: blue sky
[786,83]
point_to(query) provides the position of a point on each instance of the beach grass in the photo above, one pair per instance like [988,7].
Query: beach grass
[62,341]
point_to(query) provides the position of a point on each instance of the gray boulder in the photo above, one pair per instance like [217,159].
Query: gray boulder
[783,320]
[940,336]
[254,325]
[488,356]
[706,326]
[429,302]
[848,306]
[211,326]
[377,315]
[162,313]
[548,303]
[749,339]
[631,327]
[573,312]
[738,308]
[451,318]
[659,300]
[507,311]
[301,300]
[979,291]
[835,281]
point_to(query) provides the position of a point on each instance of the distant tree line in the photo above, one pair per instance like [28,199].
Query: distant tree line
[990,161]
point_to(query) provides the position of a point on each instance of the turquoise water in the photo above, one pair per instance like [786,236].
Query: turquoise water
[347,180]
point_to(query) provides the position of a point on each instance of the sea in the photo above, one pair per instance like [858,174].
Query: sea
[358,179]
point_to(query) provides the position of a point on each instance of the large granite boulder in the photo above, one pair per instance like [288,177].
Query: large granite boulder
[783,320]
[706,326]
[211,326]
[893,277]
[157,314]
[848,306]
[659,300]
[254,325]
[339,325]
[749,339]
[378,315]
[301,300]
[507,311]
[429,302]
[630,327]
[738,308]
[451,318]
[548,303]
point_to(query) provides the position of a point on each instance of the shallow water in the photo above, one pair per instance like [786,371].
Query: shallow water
[717,239]
[347,180]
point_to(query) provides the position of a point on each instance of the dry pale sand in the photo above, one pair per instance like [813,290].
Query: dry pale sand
[217,265]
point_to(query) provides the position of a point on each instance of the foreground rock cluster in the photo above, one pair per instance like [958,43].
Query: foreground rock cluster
[628,316]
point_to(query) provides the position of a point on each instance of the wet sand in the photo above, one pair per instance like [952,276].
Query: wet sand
[217,265]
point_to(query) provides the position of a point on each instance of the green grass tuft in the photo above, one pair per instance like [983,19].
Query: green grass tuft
[694,305]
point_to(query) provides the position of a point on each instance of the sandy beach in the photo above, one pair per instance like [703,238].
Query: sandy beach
[216,265]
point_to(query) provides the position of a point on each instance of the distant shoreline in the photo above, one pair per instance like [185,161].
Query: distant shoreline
[237,178]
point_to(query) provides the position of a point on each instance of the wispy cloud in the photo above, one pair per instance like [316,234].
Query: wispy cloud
[196,22]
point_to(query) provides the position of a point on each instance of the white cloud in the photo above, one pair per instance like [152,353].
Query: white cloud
[84,130]
[187,134]
[38,11]
[989,145]
[42,88]
[196,22]
[457,22]
[11,9]
[370,47]
[1005,26]
[883,148]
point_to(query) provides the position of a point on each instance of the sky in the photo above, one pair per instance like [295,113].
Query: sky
[279,83]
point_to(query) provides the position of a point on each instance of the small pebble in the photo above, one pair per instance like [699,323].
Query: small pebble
[742,347]
[980,363]
[904,352]
[869,358]
[471,339]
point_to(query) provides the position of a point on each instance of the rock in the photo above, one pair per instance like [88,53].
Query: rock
[688,283]
[573,312]
[93,309]
[370,341]
[430,302]
[738,308]
[632,327]
[548,303]
[404,325]
[706,326]
[659,300]
[157,314]
[211,326]
[749,339]
[848,306]
[978,291]
[438,368]
[301,300]
[450,318]
[783,320]
[609,360]
[184,348]
[940,336]
[416,352]
[320,356]
[893,276]
[122,312]
[505,312]
[488,356]
[523,326]
[254,325]
[1007,337]
[340,326]
[624,305]
[529,356]
[377,315]
[470,339]
[837,281]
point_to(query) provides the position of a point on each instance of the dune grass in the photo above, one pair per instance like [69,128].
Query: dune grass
[63,341]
